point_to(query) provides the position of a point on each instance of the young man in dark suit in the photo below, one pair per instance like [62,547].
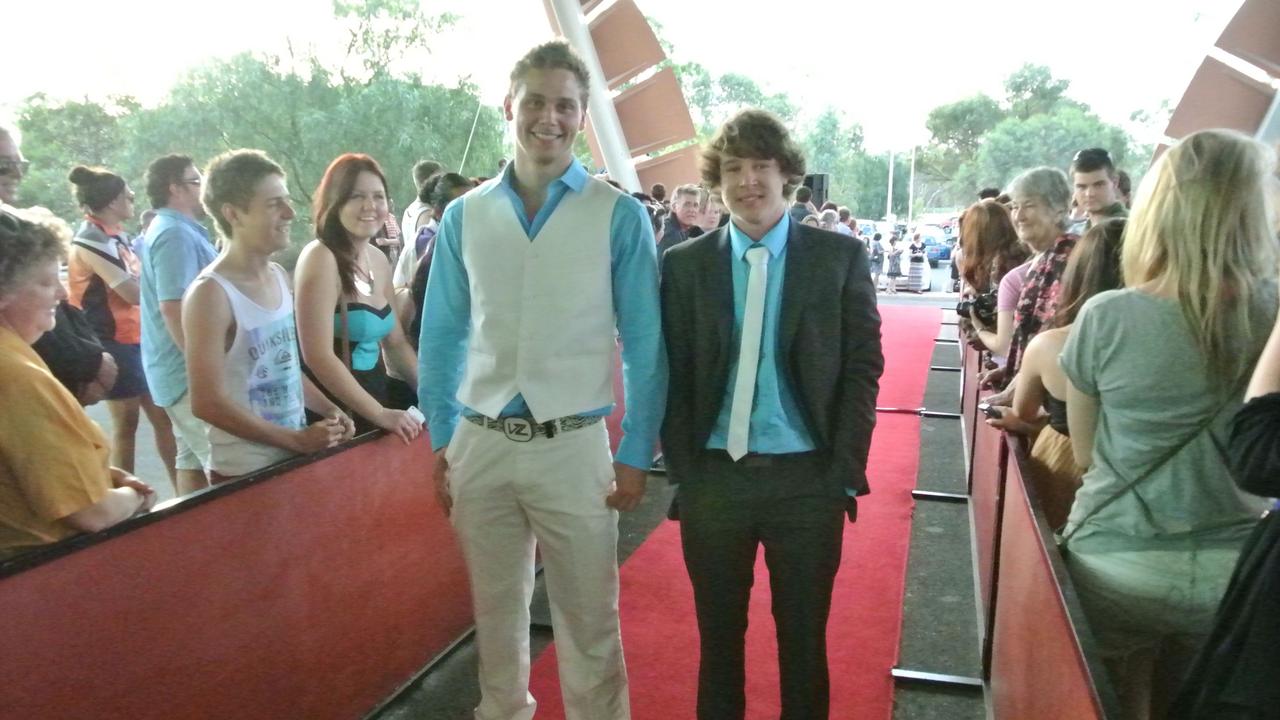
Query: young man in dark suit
[768,424]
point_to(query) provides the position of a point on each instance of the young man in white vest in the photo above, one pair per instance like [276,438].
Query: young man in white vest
[237,317]
[534,275]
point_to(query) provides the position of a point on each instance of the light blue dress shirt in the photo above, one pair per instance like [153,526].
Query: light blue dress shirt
[776,423]
[176,248]
[446,320]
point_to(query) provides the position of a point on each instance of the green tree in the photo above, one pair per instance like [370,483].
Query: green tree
[299,110]
[1046,139]
[381,33]
[959,126]
[713,100]
[58,136]
[979,142]
[1032,90]
[834,146]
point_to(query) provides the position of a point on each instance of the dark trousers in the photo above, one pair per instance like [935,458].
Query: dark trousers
[725,514]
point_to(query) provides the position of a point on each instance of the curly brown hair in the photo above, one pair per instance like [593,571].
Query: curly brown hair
[27,239]
[754,134]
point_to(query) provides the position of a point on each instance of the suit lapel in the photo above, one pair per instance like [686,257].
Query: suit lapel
[796,284]
[719,277]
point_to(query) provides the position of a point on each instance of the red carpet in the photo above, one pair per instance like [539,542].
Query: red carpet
[658,626]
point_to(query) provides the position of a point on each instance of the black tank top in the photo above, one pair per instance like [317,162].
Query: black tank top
[1057,410]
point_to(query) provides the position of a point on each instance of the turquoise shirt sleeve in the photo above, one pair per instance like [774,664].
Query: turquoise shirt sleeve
[176,261]
[442,346]
[644,355]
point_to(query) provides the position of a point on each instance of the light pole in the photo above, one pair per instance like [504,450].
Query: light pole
[888,204]
[911,189]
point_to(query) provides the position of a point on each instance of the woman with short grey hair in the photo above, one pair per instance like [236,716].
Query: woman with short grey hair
[1041,198]
[1047,184]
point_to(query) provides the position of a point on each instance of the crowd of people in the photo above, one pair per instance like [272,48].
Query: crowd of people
[1122,344]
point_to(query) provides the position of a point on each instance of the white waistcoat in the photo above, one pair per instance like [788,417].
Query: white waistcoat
[542,319]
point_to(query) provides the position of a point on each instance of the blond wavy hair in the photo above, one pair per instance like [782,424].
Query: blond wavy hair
[1203,223]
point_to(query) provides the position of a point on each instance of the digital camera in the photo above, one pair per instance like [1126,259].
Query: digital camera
[983,307]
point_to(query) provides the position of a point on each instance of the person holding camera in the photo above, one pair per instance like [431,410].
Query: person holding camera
[993,262]
[1094,266]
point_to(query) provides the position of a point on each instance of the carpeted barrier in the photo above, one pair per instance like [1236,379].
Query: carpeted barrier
[988,458]
[1043,664]
[1038,654]
[971,367]
[658,626]
[311,591]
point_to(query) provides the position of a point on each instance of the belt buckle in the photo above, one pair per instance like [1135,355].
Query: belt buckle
[517,429]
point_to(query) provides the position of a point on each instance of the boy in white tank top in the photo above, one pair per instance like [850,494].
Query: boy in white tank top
[241,347]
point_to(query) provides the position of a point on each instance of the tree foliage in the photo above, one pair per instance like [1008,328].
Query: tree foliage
[981,142]
[302,112]
[713,100]
[1017,144]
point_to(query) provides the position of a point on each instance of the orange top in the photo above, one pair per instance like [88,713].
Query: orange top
[90,285]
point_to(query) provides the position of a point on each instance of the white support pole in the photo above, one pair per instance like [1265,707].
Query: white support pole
[911,189]
[1269,128]
[604,117]
[467,150]
[888,204]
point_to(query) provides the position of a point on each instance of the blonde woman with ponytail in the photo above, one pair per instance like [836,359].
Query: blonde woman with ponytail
[1156,371]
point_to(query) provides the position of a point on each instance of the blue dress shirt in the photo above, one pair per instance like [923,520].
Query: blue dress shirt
[447,324]
[176,248]
[776,423]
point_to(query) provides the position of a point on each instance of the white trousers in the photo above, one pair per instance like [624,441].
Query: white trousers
[508,498]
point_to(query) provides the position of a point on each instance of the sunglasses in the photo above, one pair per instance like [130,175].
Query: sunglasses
[14,167]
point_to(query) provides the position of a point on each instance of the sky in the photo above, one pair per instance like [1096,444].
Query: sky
[883,64]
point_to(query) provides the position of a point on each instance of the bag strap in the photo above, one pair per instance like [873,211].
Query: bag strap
[1165,458]
[346,346]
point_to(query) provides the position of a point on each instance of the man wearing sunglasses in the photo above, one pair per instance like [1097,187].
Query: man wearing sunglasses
[174,251]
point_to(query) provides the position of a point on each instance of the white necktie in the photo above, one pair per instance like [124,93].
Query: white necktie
[744,388]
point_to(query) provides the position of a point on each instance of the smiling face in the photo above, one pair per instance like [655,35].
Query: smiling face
[547,109]
[365,211]
[752,190]
[264,224]
[28,309]
[1035,222]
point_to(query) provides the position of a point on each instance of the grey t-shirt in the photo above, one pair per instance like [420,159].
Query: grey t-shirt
[1135,353]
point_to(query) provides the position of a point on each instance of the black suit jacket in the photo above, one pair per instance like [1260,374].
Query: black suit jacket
[830,353]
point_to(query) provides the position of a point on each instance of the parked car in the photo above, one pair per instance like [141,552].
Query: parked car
[937,246]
